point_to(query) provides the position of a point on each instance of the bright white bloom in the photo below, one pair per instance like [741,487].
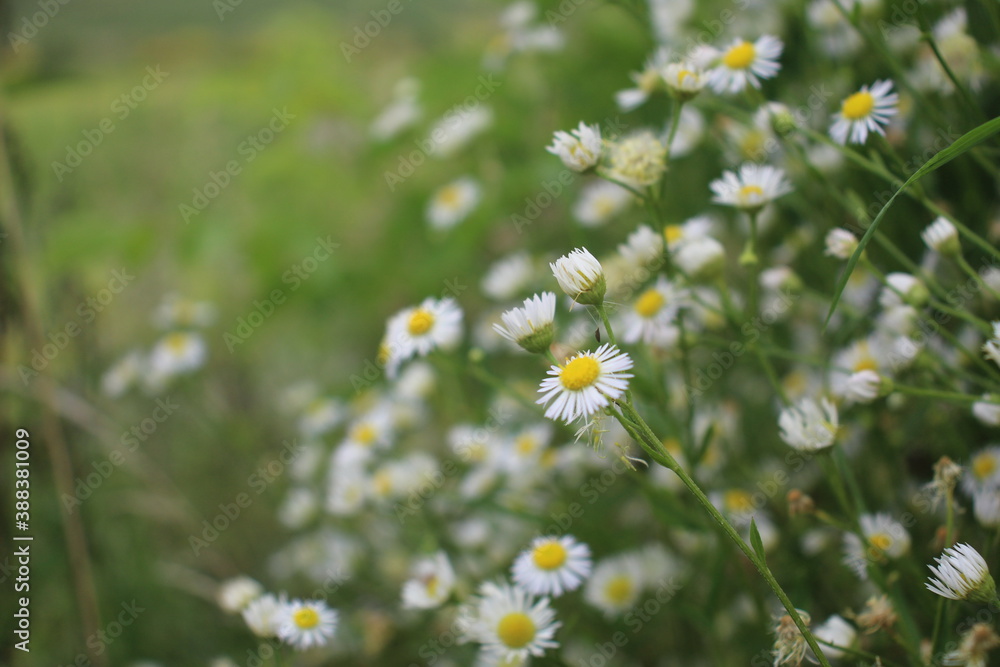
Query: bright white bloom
[885,537]
[902,289]
[418,330]
[510,624]
[532,327]
[754,186]
[432,583]
[552,566]
[580,275]
[702,259]
[579,149]
[835,630]
[840,243]
[690,131]
[508,276]
[176,353]
[809,426]
[942,236]
[319,416]
[862,387]
[643,247]
[371,430]
[987,411]
[746,62]
[306,623]
[638,160]
[615,584]
[867,110]
[585,384]
[962,574]
[692,228]
[453,203]
[261,615]
[992,346]
[684,80]
[235,594]
[599,202]
[653,314]
[298,508]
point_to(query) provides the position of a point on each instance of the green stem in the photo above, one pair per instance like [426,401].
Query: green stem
[971,272]
[951,396]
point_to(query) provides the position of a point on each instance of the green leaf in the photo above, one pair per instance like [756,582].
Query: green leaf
[963,144]
[755,541]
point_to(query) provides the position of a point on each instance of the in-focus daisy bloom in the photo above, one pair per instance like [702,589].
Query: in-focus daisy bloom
[585,384]
[453,203]
[552,566]
[684,80]
[510,624]
[581,276]
[579,149]
[809,426]
[840,243]
[942,236]
[532,327]
[962,574]
[304,624]
[746,62]
[235,594]
[867,110]
[432,583]
[638,160]
[755,186]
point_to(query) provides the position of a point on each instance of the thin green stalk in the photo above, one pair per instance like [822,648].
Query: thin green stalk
[971,272]
[954,397]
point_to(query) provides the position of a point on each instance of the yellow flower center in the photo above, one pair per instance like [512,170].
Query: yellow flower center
[420,322]
[365,434]
[858,106]
[604,206]
[683,74]
[306,618]
[431,584]
[619,589]
[450,196]
[526,444]
[176,342]
[649,303]
[516,629]
[579,373]
[737,500]
[747,192]
[549,555]
[673,233]
[880,541]
[740,56]
[865,364]
[983,466]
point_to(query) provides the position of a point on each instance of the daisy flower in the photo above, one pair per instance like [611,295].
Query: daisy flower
[638,160]
[643,247]
[510,624]
[123,374]
[809,426]
[885,537]
[599,202]
[648,81]
[746,62]
[418,330]
[983,471]
[652,315]
[942,237]
[867,110]
[581,276]
[456,128]
[177,312]
[840,243]
[751,189]
[304,624]
[835,630]
[552,566]
[702,259]
[453,203]
[262,613]
[432,583]
[992,347]
[235,594]
[585,384]
[692,228]
[962,574]
[986,507]
[987,411]
[319,416]
[684,80]
[579,149]
[532,327]
[615,584]
[176,353]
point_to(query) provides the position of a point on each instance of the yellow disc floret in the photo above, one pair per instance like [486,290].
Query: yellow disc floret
[740,56]
[650,303]
[619,589]
[579,373]
[420,322]
[516,629]
[549,555]
[306,618]
[858,106]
